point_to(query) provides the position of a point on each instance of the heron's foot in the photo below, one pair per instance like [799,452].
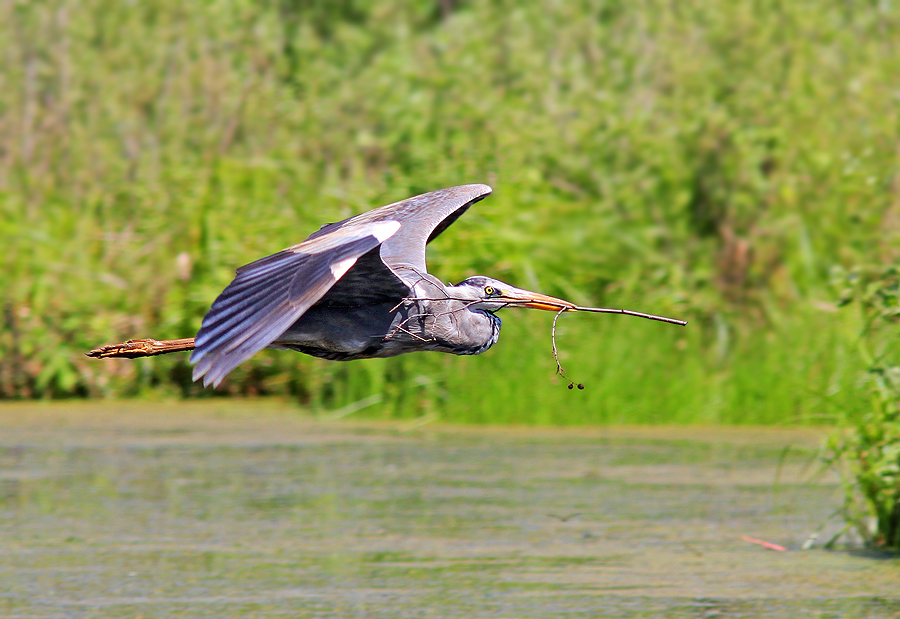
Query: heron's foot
[147,347]
[127,350]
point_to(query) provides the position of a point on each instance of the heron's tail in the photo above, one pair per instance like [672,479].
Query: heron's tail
[147,347]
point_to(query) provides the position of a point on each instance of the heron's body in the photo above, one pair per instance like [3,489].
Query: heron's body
[359,289]
[394,326]
[355,289]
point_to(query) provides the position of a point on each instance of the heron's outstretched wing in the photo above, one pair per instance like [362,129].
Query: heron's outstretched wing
[422,218]
[267,296]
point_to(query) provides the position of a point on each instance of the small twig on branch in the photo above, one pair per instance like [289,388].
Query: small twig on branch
[559,368]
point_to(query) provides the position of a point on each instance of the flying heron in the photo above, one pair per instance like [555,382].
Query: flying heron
[355,289]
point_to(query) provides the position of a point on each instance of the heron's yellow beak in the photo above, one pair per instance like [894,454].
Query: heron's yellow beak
[535,300]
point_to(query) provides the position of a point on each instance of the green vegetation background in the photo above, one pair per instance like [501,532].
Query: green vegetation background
[722,162]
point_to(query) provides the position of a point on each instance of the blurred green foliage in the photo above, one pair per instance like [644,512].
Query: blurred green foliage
[707,160]
[866,451]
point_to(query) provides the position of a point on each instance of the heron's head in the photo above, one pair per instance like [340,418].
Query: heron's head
[490,295]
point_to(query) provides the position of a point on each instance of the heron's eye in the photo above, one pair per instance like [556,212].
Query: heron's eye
[489,290]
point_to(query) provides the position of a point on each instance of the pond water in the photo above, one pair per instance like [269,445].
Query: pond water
[231,509]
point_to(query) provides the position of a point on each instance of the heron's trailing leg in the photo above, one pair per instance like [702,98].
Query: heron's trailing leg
[147,347]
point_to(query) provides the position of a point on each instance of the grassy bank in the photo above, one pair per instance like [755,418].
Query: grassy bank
[712,161]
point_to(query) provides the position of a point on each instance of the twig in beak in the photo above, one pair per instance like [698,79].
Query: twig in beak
[604,310]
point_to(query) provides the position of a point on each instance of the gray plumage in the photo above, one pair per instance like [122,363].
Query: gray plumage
[359,289]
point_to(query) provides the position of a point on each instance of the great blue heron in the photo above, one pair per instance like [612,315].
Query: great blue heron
[355,289]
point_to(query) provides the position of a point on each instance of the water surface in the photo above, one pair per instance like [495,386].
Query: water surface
[250,510]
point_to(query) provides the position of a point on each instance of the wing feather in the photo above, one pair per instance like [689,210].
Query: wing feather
[267,296]
[422,219]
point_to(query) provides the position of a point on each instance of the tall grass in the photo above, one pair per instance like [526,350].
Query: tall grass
[710,160]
